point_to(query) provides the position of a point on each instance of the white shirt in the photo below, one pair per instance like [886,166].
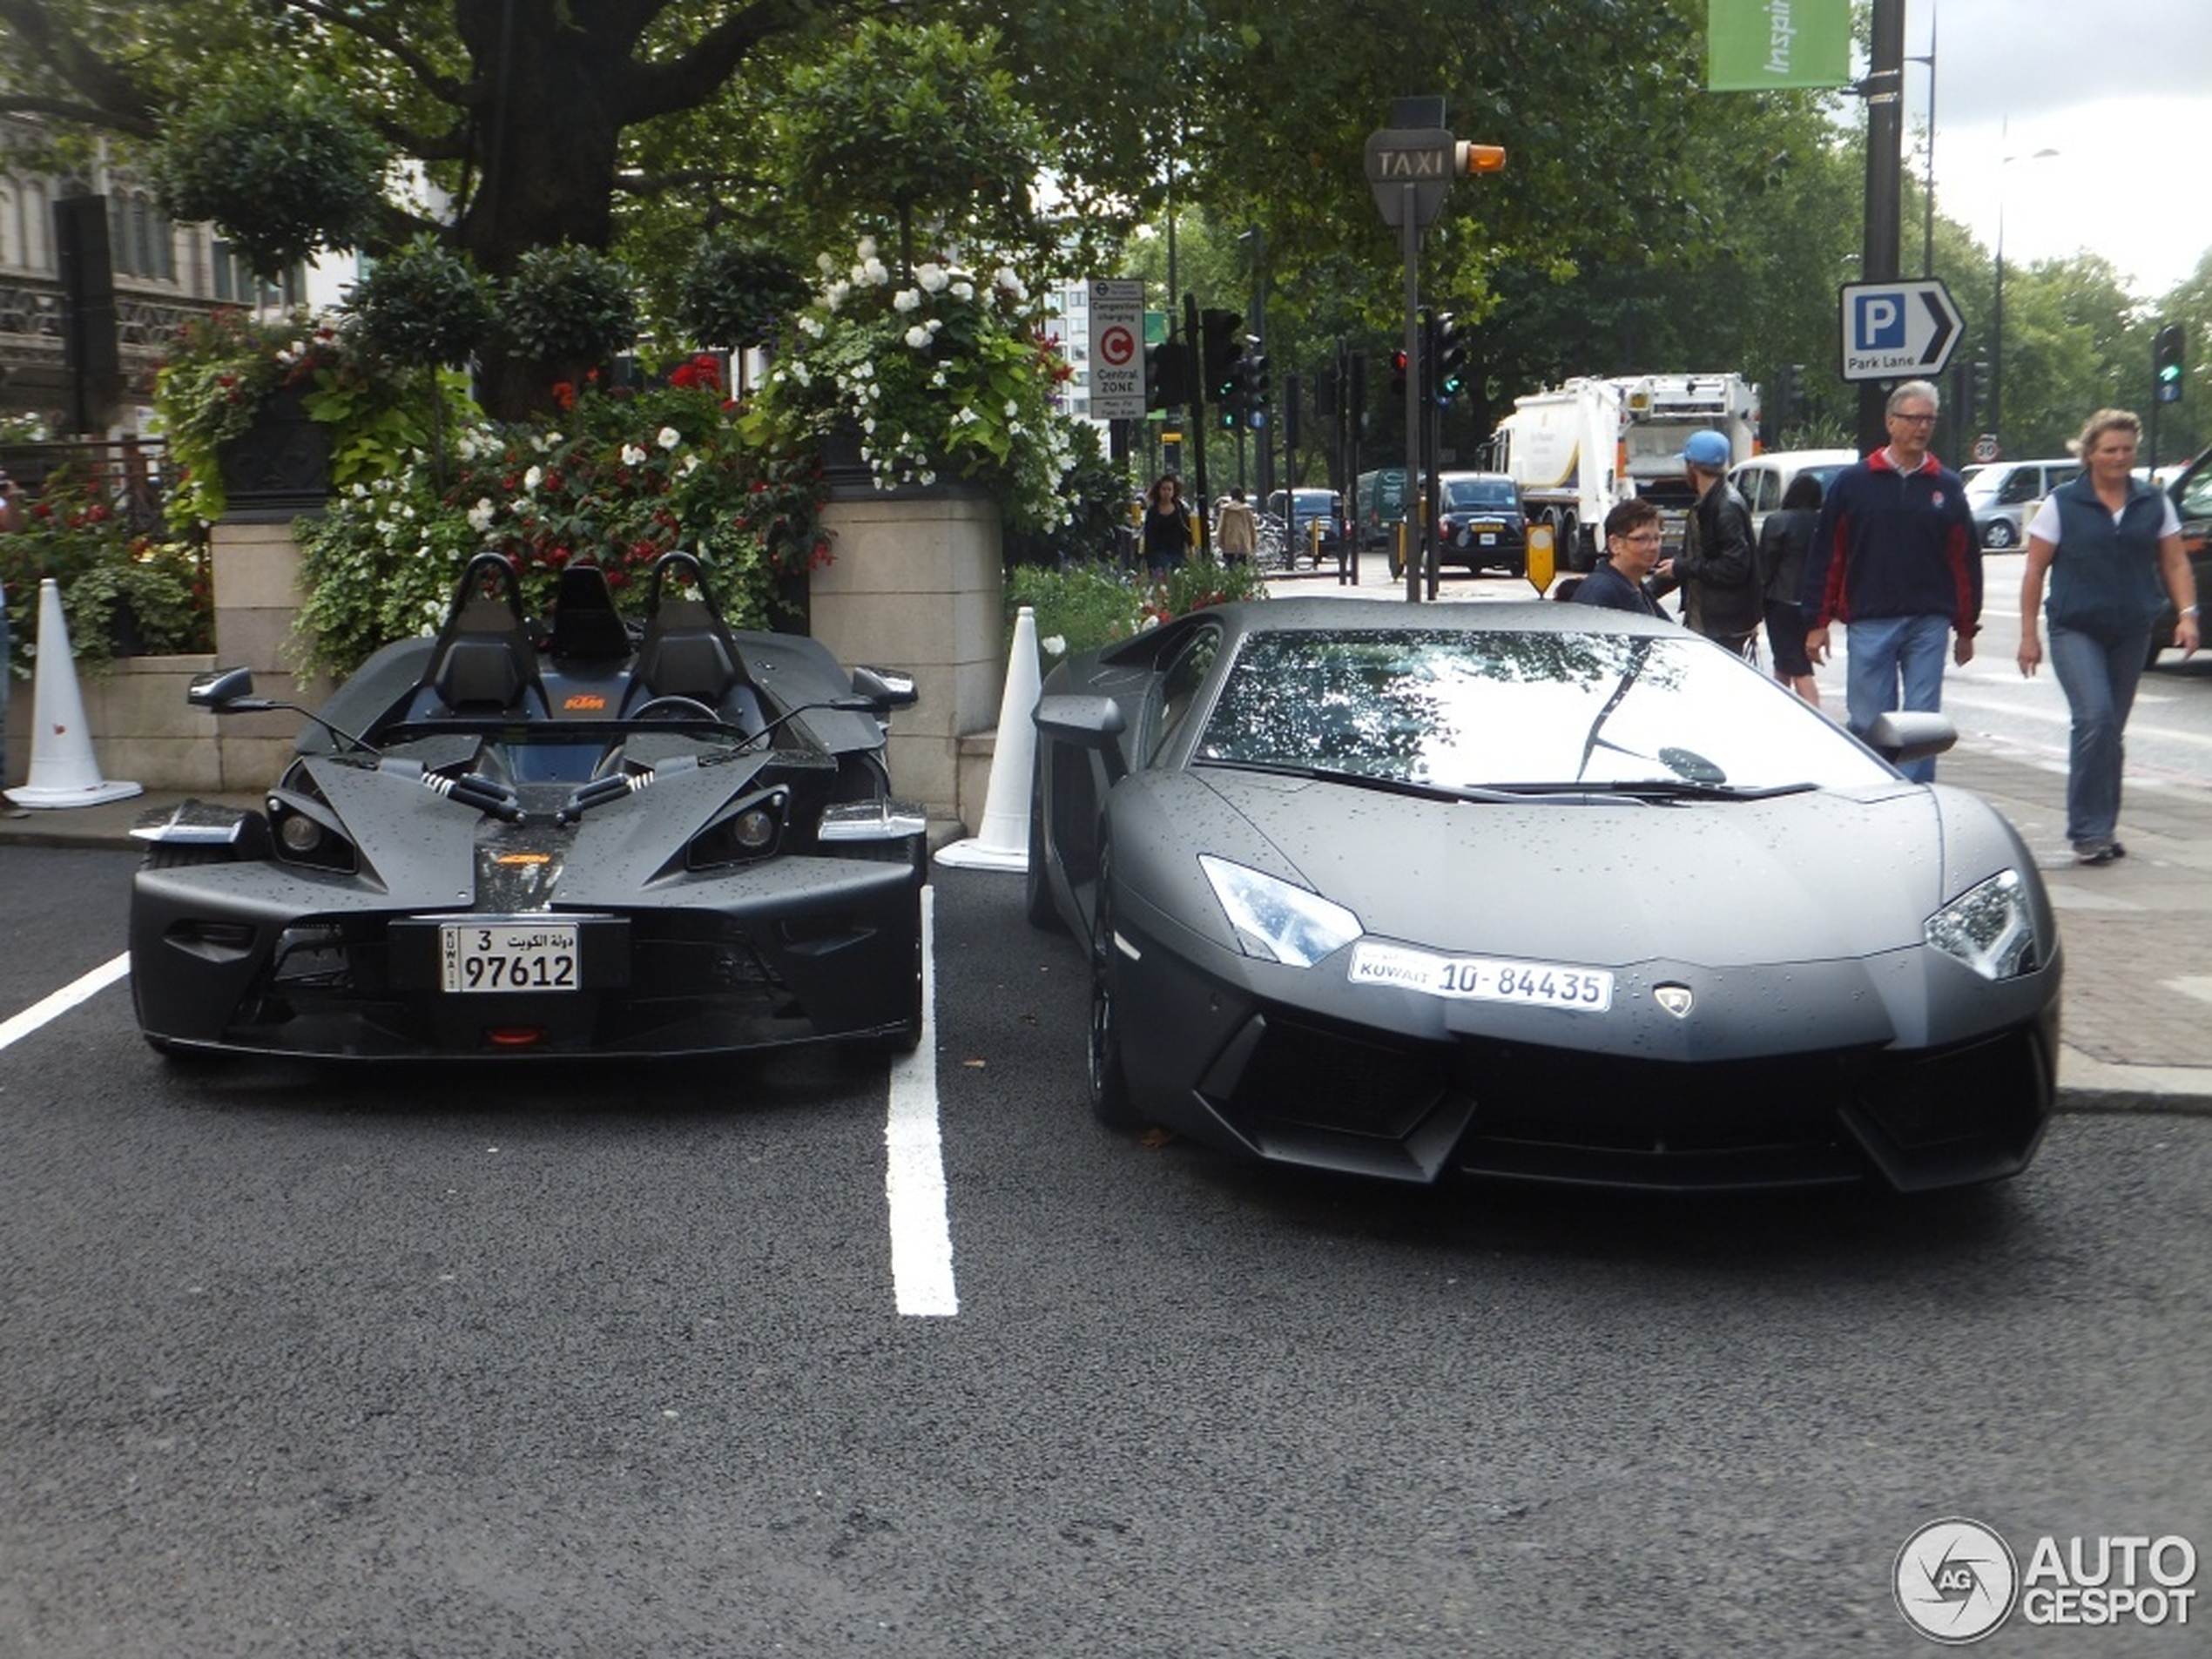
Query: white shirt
[2045,524]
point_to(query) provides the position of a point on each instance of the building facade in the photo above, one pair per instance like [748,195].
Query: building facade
[145,275]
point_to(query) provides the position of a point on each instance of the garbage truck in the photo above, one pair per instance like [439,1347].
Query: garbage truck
[1579,449]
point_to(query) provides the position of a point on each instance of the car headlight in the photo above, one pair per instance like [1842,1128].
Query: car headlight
[1275,919]
[1991,927]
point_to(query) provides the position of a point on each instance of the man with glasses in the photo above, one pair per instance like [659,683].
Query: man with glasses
[1896,560]
[1622,580]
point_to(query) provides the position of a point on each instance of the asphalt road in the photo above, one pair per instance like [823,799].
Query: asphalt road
[609,1363]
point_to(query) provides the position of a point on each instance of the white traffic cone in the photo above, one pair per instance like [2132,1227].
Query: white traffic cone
[1003,843]
[63,770]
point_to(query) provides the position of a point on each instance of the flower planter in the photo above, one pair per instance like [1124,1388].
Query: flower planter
[279,467]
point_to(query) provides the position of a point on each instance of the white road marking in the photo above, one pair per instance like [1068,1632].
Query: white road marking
[921,1239]
[51,1008]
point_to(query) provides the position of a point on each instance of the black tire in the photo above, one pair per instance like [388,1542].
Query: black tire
[1037,890]
[1110,1096]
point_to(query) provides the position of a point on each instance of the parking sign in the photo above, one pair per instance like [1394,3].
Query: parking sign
[1897,330]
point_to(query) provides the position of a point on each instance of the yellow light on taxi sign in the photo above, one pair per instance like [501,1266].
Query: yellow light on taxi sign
[1478,158]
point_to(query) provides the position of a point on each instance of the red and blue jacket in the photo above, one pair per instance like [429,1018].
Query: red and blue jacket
[1894,544]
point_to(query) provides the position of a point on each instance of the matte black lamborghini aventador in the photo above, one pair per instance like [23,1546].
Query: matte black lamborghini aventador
[587,835]
[1536,891]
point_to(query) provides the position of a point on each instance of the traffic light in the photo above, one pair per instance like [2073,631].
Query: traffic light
[1167,375]
[1397,365]
[1967,378]
[1221,335]
[1447,358]
[1789,397]
[2166,353]
[1248,376]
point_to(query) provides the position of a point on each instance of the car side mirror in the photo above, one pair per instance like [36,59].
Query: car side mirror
[226,691]
[1911,734]
[885,688]
[1093,723]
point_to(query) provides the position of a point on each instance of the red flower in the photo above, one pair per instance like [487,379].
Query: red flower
[564,393]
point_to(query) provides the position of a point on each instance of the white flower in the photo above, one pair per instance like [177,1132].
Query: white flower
[933,277]
[868,426]
[1055,644]
[481,515]
[935,323]
[964,289]
[825,264]
[835,294]
[906,300]
[864,247]
[1009,283]
[918,337]
[534,478]
[812,326]
[689,465]
[633,455]
[1012,408]
[668,437]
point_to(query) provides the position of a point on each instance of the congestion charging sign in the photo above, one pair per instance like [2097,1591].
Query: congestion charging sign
[1897,331]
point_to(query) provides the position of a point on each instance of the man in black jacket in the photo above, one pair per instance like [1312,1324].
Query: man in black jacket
[1717,565]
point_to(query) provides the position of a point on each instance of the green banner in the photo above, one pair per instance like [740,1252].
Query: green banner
[1755,44]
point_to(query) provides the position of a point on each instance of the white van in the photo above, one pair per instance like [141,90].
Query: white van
[1762,480]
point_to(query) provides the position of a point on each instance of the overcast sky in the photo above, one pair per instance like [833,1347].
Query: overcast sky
[2121,89]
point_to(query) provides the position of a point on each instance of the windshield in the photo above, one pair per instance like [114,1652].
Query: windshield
[1454,709]
[1462,494]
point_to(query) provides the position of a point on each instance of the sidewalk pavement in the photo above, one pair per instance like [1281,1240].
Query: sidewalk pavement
[2136,1023]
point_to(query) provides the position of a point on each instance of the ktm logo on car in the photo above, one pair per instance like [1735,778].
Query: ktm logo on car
[585,700]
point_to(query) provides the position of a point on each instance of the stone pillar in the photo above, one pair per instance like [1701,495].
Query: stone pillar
[917,581]
[256,571]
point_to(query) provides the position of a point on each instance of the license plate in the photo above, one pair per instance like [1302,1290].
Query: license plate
[1483,979]
[508,956]
[1489,539]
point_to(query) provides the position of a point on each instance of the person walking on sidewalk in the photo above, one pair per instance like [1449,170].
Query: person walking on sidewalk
[2106,542]
[1897,560]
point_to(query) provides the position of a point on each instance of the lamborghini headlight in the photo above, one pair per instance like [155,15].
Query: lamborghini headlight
[1991,927]
[1275,920]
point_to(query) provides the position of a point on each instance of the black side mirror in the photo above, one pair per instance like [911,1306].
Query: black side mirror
[885,688]
[226,691]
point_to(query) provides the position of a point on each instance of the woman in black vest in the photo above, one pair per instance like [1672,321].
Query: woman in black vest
[2107,540]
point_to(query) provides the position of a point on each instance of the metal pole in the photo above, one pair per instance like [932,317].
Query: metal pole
[1884,162]
[1410,238]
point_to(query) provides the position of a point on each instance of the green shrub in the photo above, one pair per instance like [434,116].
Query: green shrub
[1086,606]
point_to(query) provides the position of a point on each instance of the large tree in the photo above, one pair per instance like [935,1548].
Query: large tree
[518,110]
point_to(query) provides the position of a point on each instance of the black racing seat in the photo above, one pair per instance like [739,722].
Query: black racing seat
[484,662]
[586,626]
[687,649]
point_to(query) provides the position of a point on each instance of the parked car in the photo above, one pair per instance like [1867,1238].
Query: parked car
[1842,977]
[1300,510]
[2192,494]
[510,844]
[1479,523]
[1763,479]
[2002,495]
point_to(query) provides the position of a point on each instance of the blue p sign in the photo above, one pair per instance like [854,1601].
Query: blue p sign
[1880,322]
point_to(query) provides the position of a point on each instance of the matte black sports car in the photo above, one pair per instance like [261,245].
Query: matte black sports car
[1532,891]
[586,837]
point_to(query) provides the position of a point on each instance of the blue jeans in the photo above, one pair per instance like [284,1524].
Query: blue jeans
[2099,673]
[1882,652]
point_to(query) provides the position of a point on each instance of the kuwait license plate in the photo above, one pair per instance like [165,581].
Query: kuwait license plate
[1482,978]
[529,955]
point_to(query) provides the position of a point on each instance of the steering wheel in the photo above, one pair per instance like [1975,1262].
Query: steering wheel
[670,704]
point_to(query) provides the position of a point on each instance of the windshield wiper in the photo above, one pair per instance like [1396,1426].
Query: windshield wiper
[1359,779]
[1657,789]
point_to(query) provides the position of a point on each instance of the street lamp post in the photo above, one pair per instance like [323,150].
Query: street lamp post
[1997,307]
